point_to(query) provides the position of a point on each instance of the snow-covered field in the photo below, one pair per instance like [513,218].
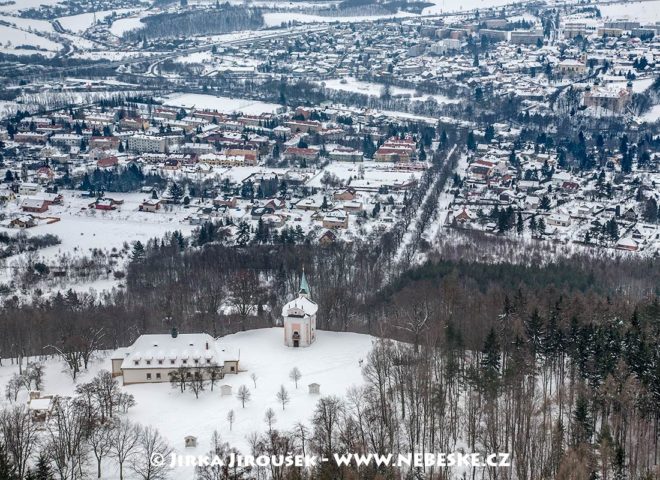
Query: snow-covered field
[29,23]
[221,104]
[82,229]
[18,5]
[332,361]
[350,84]
[645,12]
[11,39]
[373,172]
[123,25]
[80,23]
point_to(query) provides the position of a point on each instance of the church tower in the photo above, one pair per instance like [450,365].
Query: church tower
[300,318]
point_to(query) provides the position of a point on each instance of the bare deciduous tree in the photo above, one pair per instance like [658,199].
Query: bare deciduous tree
[243,395]
[196,382]
[65,440]
[295,375]
[125,443]
[99,441]
[150,442]
[231,416]
[269,418]
[19,434]
[14,386]
[283,396]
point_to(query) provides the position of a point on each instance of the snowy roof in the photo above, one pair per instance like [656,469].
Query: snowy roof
[301,304]
[185,346]
[41,404]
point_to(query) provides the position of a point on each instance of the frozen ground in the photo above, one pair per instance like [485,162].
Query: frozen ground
[221,104]
[333,362]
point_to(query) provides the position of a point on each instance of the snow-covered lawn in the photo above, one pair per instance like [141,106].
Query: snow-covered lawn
[221,104]
[332,361]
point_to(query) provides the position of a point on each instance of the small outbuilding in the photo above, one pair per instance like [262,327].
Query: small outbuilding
[314,388]
[225,390]
[190,441]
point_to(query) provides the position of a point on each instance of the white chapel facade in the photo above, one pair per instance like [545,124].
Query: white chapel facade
[300,318]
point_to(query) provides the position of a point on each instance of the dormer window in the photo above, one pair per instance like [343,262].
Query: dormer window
[160,362]
[184,361]
[136,362]
[172,362]
[148,362]
[196,361]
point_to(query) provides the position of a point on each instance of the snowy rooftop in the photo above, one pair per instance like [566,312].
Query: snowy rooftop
[304,304]
[153,351]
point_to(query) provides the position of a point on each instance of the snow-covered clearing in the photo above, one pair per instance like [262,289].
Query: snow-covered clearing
[645,12]
[221,104]
[376,173]
[350,84]
[332,361]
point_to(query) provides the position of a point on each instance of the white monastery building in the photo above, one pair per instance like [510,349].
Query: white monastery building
[300,318]
[152,357]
